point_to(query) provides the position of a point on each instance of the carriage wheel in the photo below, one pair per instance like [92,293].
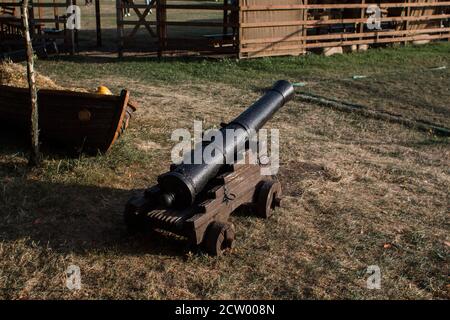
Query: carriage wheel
[268,198]
[219,237]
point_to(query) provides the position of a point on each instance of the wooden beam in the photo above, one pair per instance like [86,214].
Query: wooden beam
[120,31]
[98,23]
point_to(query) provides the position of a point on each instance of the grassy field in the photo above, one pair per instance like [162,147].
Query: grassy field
[358,191]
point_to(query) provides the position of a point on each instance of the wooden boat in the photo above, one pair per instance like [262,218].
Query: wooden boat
[89,122]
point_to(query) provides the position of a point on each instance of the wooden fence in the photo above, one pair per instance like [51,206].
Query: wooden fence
[255,28]
[167,33]
[244,28]
[47,25]
[269,28]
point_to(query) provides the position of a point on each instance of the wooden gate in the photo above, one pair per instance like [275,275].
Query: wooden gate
[172,26]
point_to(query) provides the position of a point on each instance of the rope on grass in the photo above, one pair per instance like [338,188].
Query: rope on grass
[374,114]
[360,77]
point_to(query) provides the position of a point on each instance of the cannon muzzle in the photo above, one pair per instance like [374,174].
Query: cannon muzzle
[181,186]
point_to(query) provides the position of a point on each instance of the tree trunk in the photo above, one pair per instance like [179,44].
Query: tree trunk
[35,157]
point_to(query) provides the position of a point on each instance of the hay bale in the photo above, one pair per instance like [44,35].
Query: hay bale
[422,42]
[363,47]
[15,75]
[329,51]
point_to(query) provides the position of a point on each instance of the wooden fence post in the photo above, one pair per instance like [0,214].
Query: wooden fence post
[225,19]
[305,27]
[120,28]
[98,23]
[161,27]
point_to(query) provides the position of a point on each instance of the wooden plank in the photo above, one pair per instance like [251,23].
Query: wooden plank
[120,28]
[341,21]
[365,41]
[98,23]
[118,120]
[305,30]
[343,36]
[342,6]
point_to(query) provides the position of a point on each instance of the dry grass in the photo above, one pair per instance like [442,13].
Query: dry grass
[15,75]
[358,192]
[345,199]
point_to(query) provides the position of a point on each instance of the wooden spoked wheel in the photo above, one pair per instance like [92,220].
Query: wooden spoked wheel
[269,197]
[218,238]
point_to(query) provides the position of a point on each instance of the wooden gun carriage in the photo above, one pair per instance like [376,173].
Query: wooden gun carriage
[196,200]
[206,222]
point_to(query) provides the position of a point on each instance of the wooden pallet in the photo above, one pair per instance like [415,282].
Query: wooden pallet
[206,223]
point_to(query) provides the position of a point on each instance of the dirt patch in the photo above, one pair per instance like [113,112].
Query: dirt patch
[295,173]
[148,145]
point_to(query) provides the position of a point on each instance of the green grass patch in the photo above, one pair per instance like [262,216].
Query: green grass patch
[248,73]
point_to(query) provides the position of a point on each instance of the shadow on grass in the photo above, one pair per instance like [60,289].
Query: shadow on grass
[75,218]
[17,141]
[67,217]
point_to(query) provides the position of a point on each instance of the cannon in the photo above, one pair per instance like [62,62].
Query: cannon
[196,199]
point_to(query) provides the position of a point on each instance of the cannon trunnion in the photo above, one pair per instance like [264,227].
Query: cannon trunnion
[196,200]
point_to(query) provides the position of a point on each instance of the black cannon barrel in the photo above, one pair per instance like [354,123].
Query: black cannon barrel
[181,186]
